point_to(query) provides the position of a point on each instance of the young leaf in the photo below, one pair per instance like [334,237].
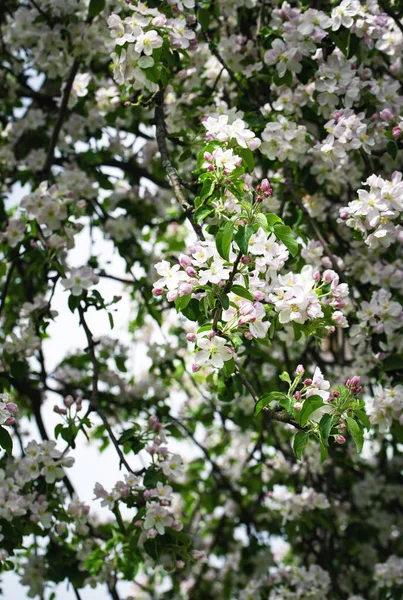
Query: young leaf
[266,399]
[247,158]
[356,433]
[325,425]
[300,441]
[207,189]
[364,419]
[182,302]
[310,405]
[239,290]
[224,238]
[272,219]
[243,236]
[285,235]
[202,212]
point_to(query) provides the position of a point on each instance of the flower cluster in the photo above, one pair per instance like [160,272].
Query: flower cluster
[8,410]
[292,505]
[386,405]
[375,211]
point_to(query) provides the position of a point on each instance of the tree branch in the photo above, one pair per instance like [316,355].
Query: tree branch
[161,135]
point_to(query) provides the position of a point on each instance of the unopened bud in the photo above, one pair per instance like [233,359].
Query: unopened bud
[195,367]
[307,382]
[191,337]
[300,370]
[340,439]
[297,405]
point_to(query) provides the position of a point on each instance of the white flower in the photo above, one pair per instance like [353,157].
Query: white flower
[80,279]
[213,351]
[157,517]
[146,42]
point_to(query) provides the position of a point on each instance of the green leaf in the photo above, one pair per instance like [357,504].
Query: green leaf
[310,405]
[363,418]
[203,17]
[266,399]
[111,322]
[392,149]
[239,290]
[224,238]
[229,367]
[203,212]
[285,234]
[127,435]
[95,7]
[207,188]
[300,441]
[192,310]
[247,158]
[272,219]
[324,451]
[243,236]
[325,426]
[223,298]
[356,433]
[5,441]
[182,302]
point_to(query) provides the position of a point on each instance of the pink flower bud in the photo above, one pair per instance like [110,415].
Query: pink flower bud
[316,276]
[184,261]
[297,395]
[344,215]
[12,408]
[211,334]
[148,494]
[191,337]
[210,168]
[177,525]
[297,405]
[79,403]
[68,401]
[157,291]
[254,143]
[396,131]
[259,199]
[300,370]
[329,275]
[239,162]
[195,367]
[307,381]
[245,260]
[191,271]
[355,380]
[172,295]
[340,439]
[208,156]
[258,296]
[386,114]
[184,289]
[248,335]
[10,421]
[138,523]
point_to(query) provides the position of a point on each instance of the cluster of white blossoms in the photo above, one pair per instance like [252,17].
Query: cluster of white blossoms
[157,499]
[385,405]
[298,583]
[136,38]
[80,280]
[284,140]
[291,505]
[17,496]
[298,297]
[224,129]
[390,573]
[347,131]
[381,315]
[375,211]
